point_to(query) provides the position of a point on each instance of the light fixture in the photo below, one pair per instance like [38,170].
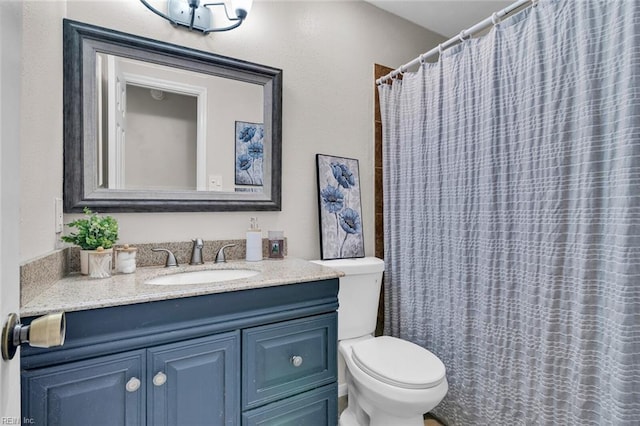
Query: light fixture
[196,16]
[157,94]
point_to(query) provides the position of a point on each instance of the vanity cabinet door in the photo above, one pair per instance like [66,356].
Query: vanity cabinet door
[283,359]
[195,382]
[107,391]
[318,407]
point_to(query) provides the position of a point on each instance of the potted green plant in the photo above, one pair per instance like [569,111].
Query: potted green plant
[94,232]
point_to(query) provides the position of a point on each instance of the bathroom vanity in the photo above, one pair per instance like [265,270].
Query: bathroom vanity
[260,350]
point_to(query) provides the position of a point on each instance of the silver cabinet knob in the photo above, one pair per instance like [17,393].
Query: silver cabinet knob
[296,360]
[133,384]
[159,379]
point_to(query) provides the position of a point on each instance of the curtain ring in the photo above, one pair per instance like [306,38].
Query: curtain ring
[534,3]
[495,19]
[440,49]
[422,59]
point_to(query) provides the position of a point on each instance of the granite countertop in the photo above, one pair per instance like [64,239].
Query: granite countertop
[79,292]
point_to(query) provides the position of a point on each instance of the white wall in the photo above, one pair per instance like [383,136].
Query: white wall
[10,37]
[326,50]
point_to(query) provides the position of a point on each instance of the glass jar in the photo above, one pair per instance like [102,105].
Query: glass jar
[100,262]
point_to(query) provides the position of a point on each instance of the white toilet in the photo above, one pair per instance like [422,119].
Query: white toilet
[390,381]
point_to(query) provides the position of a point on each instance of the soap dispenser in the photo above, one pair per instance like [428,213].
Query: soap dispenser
[254,241]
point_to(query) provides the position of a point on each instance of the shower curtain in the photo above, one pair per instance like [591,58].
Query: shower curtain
[512,216]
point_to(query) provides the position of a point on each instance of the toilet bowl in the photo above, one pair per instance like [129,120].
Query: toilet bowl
[390,381]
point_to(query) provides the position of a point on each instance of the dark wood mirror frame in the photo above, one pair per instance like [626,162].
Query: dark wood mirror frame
[81,43]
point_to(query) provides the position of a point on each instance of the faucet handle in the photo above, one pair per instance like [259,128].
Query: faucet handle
[220,258]
[171,258]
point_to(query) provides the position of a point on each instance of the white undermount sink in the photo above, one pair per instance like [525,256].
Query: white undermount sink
[203,277]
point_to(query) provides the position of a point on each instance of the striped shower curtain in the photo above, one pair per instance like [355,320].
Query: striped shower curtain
[512,216]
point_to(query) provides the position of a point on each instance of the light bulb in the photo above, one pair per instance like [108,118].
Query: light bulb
[241,7]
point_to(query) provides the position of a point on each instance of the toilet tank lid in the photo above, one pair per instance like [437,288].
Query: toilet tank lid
[356,266]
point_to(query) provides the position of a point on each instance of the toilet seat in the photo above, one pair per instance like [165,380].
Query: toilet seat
[398,363]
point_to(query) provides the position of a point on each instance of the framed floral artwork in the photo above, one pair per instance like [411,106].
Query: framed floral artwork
[249,153]
[340,208]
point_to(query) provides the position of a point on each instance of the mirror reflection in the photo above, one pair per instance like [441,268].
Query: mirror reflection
[165,128]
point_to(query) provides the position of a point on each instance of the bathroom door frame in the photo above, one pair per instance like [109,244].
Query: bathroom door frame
[378,72]
[10,83]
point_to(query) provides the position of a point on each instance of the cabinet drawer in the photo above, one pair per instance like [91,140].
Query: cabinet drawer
[318,407]
[279,360]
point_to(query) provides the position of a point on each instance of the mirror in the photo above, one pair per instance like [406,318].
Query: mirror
[152,127]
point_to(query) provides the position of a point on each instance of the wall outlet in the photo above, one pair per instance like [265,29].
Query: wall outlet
[214,183]
[58,214]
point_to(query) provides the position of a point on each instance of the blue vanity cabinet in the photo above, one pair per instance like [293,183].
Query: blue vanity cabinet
[318,407]
[287,358]
[195,382]
[107,391]
[192,382]
[261,356]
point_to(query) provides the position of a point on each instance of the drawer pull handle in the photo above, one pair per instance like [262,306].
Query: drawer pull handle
[159,379]
[133,384]
[296,360]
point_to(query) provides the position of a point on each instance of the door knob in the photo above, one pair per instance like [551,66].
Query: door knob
[44,332]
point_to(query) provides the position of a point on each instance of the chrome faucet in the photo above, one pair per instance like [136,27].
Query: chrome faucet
[196,252]
[220,258]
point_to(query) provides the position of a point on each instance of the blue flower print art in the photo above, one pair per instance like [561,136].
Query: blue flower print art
[243,163]
[340,207]
[343,175]
[332,198]
[249,153]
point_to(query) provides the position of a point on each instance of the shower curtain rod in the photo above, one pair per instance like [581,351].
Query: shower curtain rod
[491,20]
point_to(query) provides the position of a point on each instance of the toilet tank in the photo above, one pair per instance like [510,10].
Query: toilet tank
[358,295]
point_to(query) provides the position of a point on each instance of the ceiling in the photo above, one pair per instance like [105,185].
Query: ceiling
[445,17]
